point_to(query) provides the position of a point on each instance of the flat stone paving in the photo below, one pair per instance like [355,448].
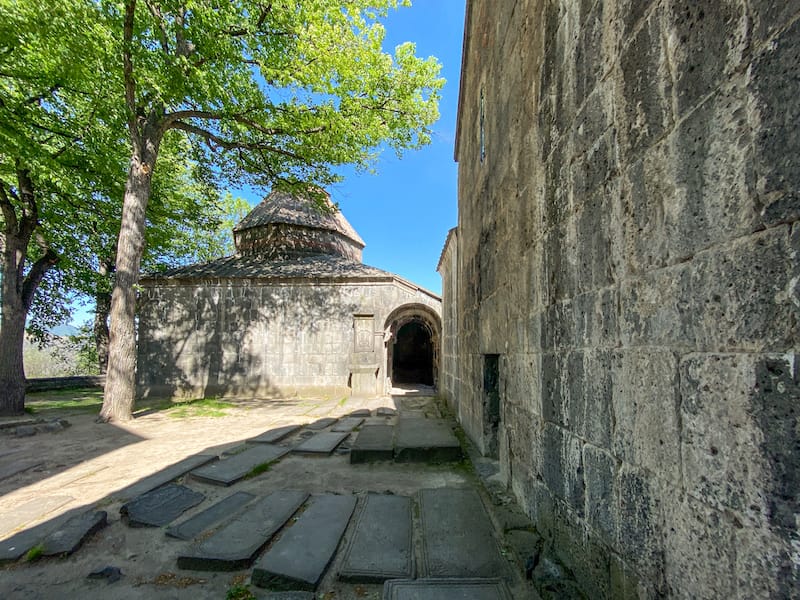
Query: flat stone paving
[373,443]
[381,545]
[457,535]
[160,506]
[165,475]
[298,560]
[231,470]
[425,440]
[446,589]
[235,545]
[213,515]
[322,443]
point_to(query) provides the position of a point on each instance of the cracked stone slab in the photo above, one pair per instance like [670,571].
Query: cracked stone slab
[213,515]
[160,506]
[274,435]
[235,545]
[229,471]
[299,559]
[446,589]
[425,440]
[322,443]
[457,536]
[347,424]
[380,548]
[69,536]
[374,443]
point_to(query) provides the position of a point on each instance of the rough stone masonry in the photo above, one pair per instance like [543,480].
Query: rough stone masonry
[621,294]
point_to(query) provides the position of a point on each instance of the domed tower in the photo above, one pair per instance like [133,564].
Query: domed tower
[285,226]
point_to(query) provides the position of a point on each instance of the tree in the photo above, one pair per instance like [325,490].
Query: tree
[269,93]
[51,133]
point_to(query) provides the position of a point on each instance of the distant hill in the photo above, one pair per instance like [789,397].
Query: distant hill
[64,330]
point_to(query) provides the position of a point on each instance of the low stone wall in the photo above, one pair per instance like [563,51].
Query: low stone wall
[46,384]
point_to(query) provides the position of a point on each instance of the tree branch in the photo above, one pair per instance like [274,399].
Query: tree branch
[127,69]
[154,10]
[213,140]
[35,275]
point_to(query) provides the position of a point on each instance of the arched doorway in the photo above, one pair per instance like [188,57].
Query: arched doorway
[412,346]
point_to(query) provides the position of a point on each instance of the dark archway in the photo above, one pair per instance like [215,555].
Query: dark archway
[412,359]
[413,334]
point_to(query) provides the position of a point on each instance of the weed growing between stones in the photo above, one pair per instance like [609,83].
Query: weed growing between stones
[34,553]
[258,470]
[239,592]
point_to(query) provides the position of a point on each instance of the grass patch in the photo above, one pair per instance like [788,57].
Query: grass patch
[81,400]
[239,592]
[34,553]
[258,470]
[205,407]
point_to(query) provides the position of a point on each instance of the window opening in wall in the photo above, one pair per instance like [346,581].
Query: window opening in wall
[481,115]
[491,403]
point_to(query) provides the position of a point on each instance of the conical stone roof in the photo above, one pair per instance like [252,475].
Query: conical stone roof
[283,225]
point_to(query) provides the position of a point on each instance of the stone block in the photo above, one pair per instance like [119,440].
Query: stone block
[743,295]
[160,506]
[445,589]
[708,43]
[645,404]
[640,521]
[766,564]
[776,83]
[69,537]
[699,550]
[562,465]
[645,91]
[602,510]
[590,388]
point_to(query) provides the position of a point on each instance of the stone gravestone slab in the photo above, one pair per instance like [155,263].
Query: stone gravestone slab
[274,435]
[68,538]
[322,443]
[457,536]
[165,475]
[300,557]
[321,424]
[31,511]
[360,412]
[225,508]
[380,548]
[347,424]
[160,506]
[374,443]
[446,589]
[235,545]
[425,440]
[229,471]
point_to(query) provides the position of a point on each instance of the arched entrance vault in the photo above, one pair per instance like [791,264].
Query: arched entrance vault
[413,339]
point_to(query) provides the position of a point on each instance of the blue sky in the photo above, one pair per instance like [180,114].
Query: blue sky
[403,212]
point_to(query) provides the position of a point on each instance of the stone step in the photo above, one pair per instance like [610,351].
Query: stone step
[160,506]
[163,476]
[446,589]
[210,517]
[274,435]
[235,545]
[229,471]
[457,536]
[347,424]
[69,536]
[322,443]
[298,560]
[381,546]
[425,440]
[374,443]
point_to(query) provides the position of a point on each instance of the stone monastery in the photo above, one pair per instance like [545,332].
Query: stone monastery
[295,310]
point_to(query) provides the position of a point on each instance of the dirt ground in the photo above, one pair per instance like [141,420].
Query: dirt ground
[85,464]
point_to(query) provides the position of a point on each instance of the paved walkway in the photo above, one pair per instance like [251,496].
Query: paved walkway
[331,512]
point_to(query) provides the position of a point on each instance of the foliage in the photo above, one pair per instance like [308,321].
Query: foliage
[239,592]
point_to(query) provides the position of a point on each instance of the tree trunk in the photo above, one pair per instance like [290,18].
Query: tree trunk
[102,306]
[12,336]
[120,390]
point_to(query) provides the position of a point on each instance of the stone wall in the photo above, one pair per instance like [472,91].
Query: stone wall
[629,193]
[256,338]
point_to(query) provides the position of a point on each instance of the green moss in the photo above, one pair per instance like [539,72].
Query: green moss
[205,407]
[258,470]
[239,592]
[34,553]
